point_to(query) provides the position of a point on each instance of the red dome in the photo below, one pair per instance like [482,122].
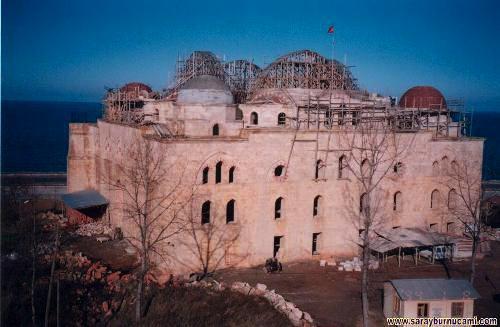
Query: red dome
[423,97]
[135,86]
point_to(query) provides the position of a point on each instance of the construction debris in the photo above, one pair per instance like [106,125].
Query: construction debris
[95,228]
[355,265]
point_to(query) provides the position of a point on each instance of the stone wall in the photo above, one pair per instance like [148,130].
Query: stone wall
[96,152]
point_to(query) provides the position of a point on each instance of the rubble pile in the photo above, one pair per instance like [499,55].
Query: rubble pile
[51,220]
[294,314]
[93,276]
[49,215]
[95,228]
[90,271]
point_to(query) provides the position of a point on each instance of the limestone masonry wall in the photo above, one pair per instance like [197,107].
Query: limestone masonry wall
[95,152]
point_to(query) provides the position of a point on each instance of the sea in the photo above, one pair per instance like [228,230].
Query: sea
[35,135]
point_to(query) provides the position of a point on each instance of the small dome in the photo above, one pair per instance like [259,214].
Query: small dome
[423,97]
[135,87]
[205,89]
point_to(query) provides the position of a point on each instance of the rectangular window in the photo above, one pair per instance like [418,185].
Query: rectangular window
[315,245]
[457,309]
[422,310]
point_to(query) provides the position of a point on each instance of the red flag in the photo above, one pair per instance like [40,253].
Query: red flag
[330,30]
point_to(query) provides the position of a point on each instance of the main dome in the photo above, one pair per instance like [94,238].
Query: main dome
[427,97]
[205,89]
[306,69]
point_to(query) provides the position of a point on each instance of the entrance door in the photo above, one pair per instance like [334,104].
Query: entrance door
[276,245]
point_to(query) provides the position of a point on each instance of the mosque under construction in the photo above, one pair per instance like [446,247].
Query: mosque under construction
[258,157]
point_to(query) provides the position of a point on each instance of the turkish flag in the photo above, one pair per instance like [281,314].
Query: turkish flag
[330,29]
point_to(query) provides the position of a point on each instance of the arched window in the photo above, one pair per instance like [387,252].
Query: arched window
[278,171]
[215,130]
[444,166]
[281,119]
[205,213]
[205,175]
[218,172]
[317,203]
[231,174]
[254,118]
[435,199]
[363,202]
[318,169]
[454,168]
[396,206]
[278,208]
[342,166]
[452,199]
[230,211]
[435,168]
[365,168]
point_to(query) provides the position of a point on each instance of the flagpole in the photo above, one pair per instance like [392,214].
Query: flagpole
[333,54]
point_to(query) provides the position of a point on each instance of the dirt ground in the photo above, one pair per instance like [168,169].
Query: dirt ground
[110,253]
[333,298]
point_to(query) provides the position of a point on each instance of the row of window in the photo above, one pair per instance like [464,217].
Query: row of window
[442,168]
[397,200]
[206,212]
[279,170]
[329,118]
[342,168]
[436,199]
[218,174]
[254,118]
[318,204]
[457,310]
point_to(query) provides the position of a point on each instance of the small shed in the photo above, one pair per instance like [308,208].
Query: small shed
[420,298]
[84,206]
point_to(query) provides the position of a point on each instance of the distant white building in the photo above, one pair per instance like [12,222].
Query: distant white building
[421,298]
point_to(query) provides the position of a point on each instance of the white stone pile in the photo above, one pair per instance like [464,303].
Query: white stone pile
[324,263]
[95,228]
[355,265]
[297,317]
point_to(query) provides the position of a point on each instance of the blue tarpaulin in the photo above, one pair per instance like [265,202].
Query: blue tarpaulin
[84,199]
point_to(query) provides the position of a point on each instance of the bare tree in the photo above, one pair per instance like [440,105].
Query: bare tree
[371,151]
[151,192]
[212,237]
[463,180]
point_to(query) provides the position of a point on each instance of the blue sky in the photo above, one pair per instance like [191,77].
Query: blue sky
[69,50]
